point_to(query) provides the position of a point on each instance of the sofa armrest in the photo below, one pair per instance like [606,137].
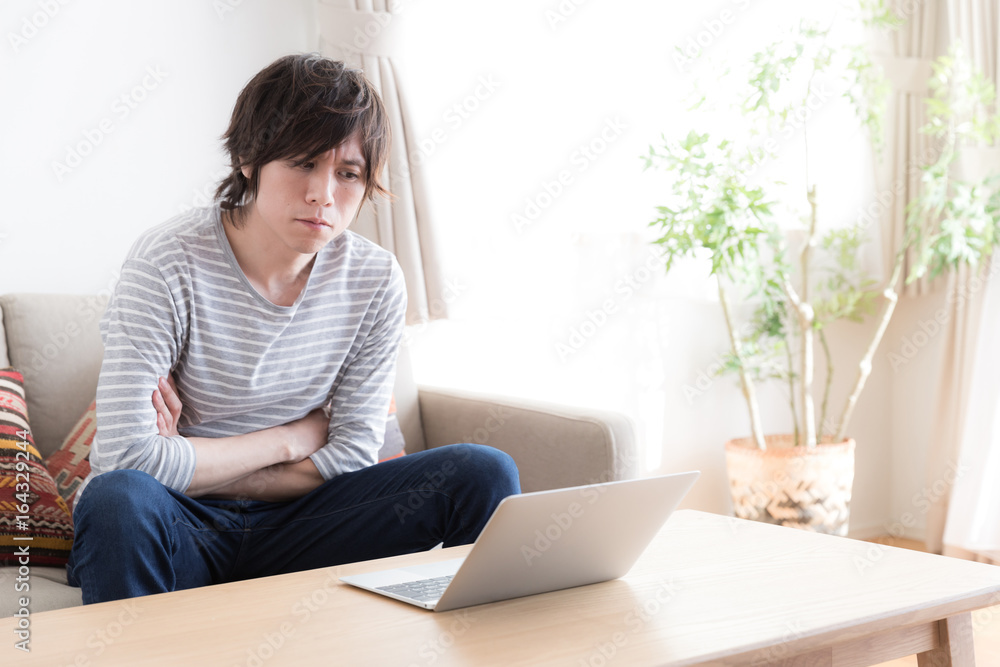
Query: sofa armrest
[554,446]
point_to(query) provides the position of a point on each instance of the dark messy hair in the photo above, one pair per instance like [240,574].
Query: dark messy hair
[301,106]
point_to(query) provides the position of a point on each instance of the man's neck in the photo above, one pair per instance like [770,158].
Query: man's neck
[277,272]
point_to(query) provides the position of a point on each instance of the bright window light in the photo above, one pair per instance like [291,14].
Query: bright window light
[541,202]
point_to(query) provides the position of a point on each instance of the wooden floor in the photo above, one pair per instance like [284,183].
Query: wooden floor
[986,622]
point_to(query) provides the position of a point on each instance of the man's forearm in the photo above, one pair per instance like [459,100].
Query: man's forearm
[277,483]
[223,461]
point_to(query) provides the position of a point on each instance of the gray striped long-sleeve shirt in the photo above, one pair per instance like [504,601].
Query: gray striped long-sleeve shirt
[242,363]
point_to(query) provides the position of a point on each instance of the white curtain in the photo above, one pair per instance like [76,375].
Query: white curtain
[974,511]
[907,65]
[368,34]
[965,441]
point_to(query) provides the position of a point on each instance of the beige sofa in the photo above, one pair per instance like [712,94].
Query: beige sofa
[53,339]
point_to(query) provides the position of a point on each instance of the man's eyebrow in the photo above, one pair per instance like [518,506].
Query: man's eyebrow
[360,163]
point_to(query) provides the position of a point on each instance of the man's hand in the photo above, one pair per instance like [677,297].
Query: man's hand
[307,435]
[282,479]
[168,406]
[279,483]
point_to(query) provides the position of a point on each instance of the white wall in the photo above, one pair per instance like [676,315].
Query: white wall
[913,351]
[524,291]
[504,96]
[179,66]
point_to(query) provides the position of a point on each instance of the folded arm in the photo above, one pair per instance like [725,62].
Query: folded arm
[271,464]
[363,389]
[144,331]
[280,482]
[322,446]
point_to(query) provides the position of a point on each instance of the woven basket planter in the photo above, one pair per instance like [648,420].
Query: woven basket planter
[792,486]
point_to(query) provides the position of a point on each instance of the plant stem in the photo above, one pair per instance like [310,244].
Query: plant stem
[802,306]
[805,317]
[829,381]
[749,392]
[865,366]
[789,332]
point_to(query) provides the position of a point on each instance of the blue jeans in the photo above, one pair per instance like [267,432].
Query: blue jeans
[135,536]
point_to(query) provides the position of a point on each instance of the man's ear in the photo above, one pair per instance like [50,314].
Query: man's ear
[247,170]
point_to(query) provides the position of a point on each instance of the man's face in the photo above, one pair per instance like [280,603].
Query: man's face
[305,206]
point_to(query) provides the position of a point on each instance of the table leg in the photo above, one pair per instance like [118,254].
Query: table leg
[956,644]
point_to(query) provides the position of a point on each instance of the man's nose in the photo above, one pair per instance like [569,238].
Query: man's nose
[321,188]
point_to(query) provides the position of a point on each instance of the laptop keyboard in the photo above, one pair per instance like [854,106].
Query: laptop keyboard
[424,590]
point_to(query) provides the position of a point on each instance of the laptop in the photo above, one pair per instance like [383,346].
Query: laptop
[540,542]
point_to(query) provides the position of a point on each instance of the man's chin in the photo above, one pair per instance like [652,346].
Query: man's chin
[313,246]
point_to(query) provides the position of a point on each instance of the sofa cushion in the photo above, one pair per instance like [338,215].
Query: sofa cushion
[55,341]
[407,403]
[49,591]
[70,464]
[30,505]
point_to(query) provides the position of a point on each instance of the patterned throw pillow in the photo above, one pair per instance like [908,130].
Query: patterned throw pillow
[32,513]
[70,465]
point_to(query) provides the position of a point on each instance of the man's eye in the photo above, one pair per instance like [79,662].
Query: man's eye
[306,165]
[351,176]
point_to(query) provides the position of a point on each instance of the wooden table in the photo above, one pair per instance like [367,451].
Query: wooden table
[711,590]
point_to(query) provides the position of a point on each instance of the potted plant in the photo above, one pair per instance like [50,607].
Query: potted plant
[802,280]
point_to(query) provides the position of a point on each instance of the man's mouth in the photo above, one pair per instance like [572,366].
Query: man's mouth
[315,223]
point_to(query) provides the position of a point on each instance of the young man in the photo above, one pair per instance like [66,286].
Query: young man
[267,334]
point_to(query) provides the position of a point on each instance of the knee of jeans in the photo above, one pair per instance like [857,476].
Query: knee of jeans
[118,491]
[489,467]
